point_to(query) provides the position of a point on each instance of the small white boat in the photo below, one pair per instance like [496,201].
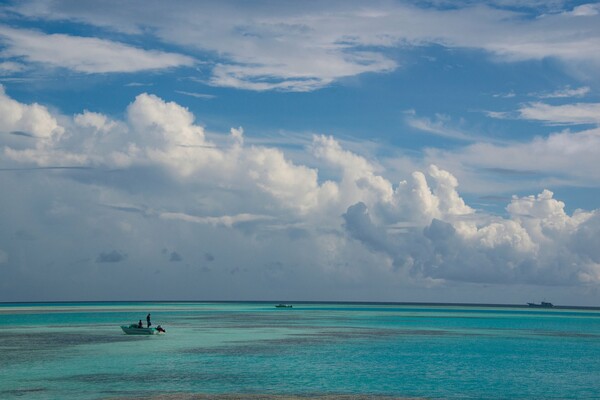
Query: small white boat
[134,329]
[543,304]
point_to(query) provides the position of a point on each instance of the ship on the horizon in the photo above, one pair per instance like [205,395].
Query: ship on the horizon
[543,304]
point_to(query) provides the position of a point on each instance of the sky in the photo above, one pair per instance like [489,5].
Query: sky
[395,151]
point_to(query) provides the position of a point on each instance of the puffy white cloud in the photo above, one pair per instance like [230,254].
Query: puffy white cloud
[586,10]
[359,180]
[537,249]
[414,200]
[450,202]
[33,119]
[85,54]
[166,164]
[584,242]
[164,134]
[167,134]
[506,233]
[96,121]
[294,185]
[170,122]
[418,198]
[42,130]
[544,217]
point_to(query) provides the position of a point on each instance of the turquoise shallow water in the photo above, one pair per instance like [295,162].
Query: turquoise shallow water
[70,350]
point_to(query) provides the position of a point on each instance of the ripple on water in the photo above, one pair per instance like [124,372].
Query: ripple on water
[242,396]
[21,392]
[296,340]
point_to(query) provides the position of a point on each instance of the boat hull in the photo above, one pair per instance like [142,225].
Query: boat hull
[134,330]
[543,304]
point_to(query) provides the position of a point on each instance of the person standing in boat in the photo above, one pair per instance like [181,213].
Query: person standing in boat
[140,325]
[148,320]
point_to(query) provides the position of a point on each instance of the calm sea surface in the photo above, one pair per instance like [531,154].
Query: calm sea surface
[254,350]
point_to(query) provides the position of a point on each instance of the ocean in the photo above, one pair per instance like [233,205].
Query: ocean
[313,350]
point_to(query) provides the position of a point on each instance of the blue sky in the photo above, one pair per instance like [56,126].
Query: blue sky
[385,151]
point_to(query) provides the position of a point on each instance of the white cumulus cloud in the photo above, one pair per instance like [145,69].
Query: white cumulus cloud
[161,159]
[33,119]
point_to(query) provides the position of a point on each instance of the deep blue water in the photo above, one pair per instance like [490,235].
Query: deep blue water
[70,350]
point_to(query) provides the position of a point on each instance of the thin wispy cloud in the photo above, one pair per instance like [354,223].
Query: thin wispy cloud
[307,47]
[196,95]
[224,220]
[563,93]
[436,127]
[83,168]
[138,84]
[567,114]
[11,67]
[564,114]
[508,95]
[442,126]
[85,54]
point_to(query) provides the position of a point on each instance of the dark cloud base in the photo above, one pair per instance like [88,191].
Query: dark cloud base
[111,257]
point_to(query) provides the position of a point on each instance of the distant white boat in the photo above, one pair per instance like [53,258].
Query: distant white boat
[543,304]
[134,329]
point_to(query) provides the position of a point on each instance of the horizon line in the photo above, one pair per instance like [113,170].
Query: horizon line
[413,303]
